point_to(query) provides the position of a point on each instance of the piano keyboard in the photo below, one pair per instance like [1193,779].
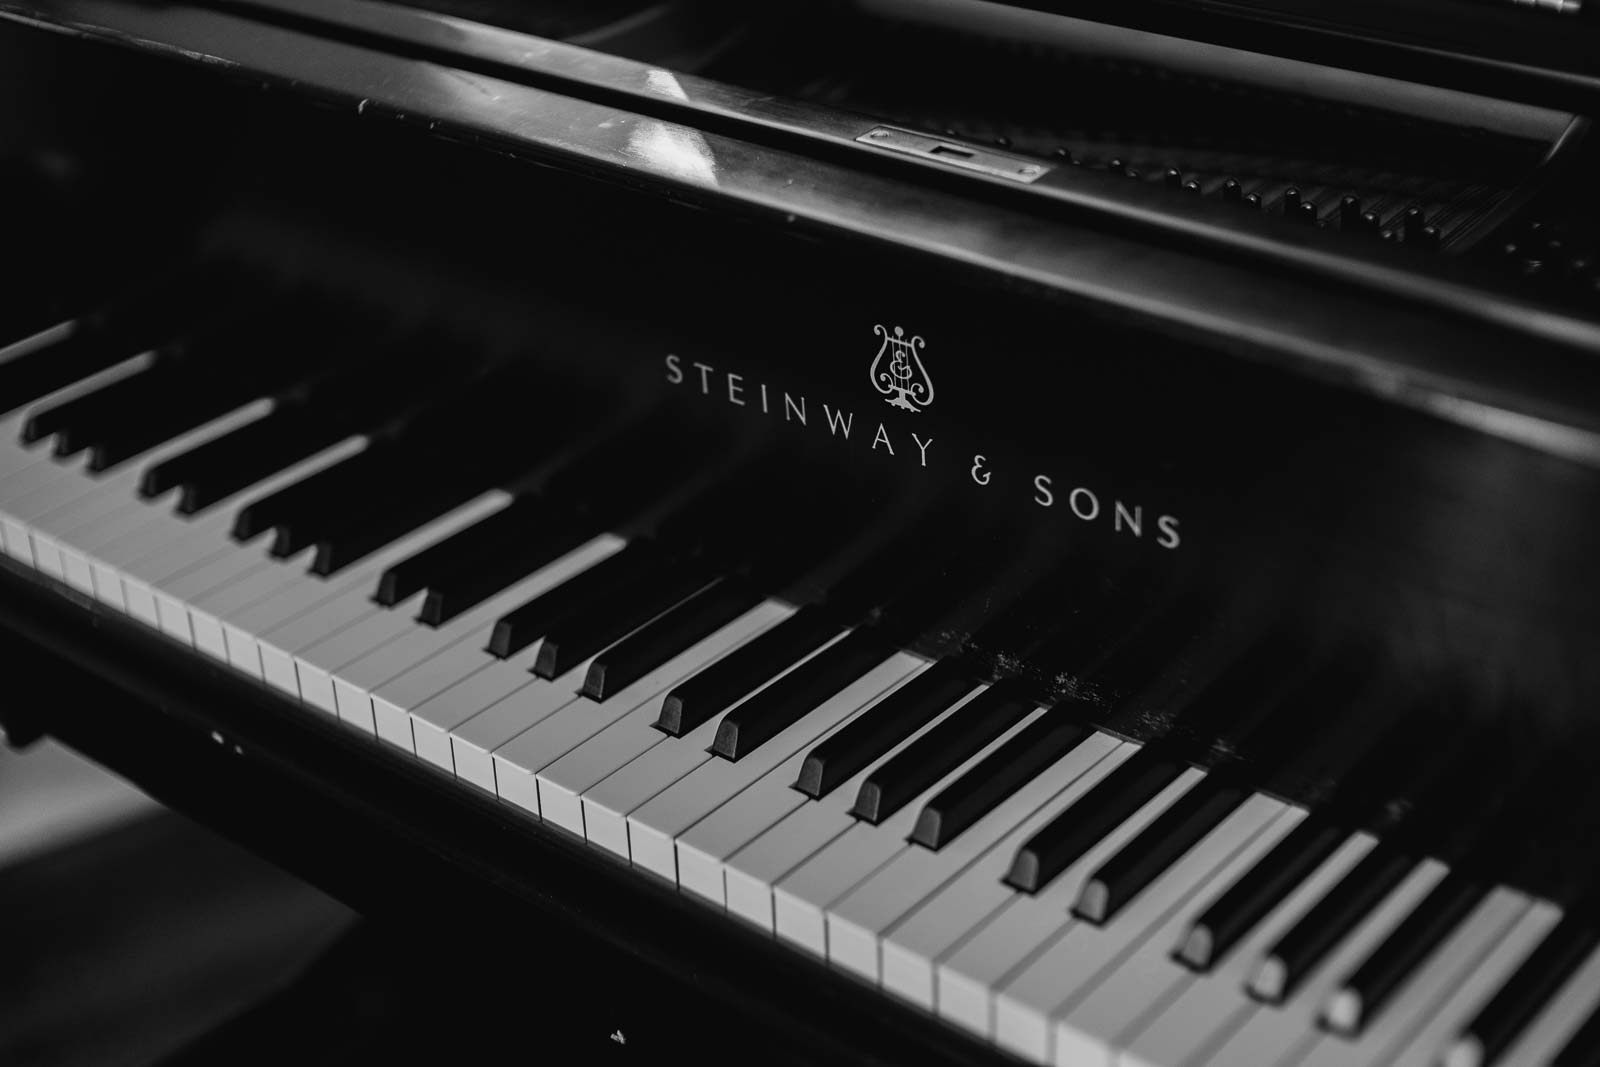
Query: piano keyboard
[1069,895]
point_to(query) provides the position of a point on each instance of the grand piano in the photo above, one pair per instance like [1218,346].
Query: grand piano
[898,531]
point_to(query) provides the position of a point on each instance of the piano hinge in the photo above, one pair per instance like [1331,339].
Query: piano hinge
[955,153]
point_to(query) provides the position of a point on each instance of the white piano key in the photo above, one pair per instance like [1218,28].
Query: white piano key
[174,595]
[656,824]
[36,489]
[607,803]
[1275,1033]
[801,899]
[858,921]
[1214,1002]
[913,947]
[478,742]
[357,684]
[160,528]
[968,979]
[145,561]
[214,572]
[498,691]
[548,769]
[80,545]
[1549,1031]
[1124,970]
[300,616]
[112,490]
[1427,1047]
[33,342]
[436,672]
[194,536]
[97,499]
[271,656]
[126,517]
[11,422]
[270,636]
[40,478]
[41,488]
[772,817]
[472,744]
[450,685]
[1426,990]
[1024,1002]
[474,741]
[315,664]
[24,464]
[207,611]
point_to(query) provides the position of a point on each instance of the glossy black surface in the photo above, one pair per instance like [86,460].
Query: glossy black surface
[1429,361]
[1143,446]
[1295,496]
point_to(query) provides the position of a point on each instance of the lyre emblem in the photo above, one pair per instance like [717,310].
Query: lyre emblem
[904,381]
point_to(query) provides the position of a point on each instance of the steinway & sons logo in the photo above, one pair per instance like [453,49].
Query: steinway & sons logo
[904,380]
[897,372]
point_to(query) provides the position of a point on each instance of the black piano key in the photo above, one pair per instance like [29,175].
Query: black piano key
[1363,994]
[1328,921]
[1501,1021]
[293,503]
[1121,652]
[485,539]
[318,410]
[673,633]
[894,718]
[218,371]
[119,330]
[1159,845]
[206,476]
[74,421]
[528,623]
[492,432]
[783,703]
[897,569]
[1105,807]
[1583,1048]
[594,627]
[251,364]
[1070,607]
[1246,902]
[115,445]
[1001,773]
[1438,814]
[27,378]
[366,495]
[1288,721]
[212,457]
[1349,212]
[713,690]
[213,366]
[1244,694]
[957,738]
[476,580]
[627,472]
[360,529]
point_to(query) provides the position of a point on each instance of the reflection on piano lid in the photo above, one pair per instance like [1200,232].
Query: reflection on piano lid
[1100,623]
